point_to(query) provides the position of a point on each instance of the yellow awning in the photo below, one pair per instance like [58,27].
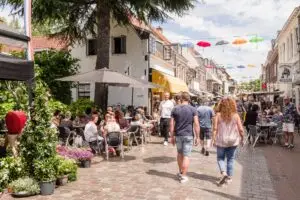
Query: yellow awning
[169,83]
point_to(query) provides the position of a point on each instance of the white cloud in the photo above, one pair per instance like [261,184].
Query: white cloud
[236,18]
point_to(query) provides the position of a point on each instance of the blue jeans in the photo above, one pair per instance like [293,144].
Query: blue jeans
[229,154]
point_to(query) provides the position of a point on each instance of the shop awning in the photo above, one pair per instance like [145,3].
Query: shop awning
[12,68]
[169,83]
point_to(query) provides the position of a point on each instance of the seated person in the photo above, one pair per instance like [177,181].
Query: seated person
[91,132]
[277,117]
[136,121]
[123,122]
[66,121]
[112,132]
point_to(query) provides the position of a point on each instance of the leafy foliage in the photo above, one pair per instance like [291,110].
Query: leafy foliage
[252,86]
[78,107]
[66,166]
[45,170]
[25,185]
[57,105]
[11,168]
[56,64]
[38,141]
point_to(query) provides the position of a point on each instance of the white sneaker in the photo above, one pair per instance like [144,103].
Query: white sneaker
[165,143]
[179,176]
[184,179]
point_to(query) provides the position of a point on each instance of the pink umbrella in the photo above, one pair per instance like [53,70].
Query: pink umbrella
[203,44]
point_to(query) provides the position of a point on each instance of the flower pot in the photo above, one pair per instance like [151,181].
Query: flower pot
[61,181]
[86,163]
[47,188]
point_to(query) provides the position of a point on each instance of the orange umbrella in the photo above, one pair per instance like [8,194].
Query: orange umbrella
[239,41]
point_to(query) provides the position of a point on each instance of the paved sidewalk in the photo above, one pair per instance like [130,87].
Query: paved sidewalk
[149,173]
[284,168]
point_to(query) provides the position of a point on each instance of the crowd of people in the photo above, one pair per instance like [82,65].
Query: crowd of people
[183,124]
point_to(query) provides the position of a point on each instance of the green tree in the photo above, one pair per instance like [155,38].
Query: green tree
[57,64]
[74,20]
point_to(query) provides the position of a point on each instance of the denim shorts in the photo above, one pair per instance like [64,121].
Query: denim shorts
[184,145]
[205,133]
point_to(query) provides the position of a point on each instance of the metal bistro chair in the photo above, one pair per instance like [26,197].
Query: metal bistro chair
[255,134]
[114,140]
[277,134]
[65,135]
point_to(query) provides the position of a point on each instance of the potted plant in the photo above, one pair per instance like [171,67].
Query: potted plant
[45,171]
[84,157]
[24,187]
[65,167]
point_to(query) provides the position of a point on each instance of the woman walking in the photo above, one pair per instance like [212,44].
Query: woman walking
[228,132]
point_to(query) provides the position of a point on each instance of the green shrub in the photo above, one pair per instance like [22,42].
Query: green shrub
[11,169]
[25,185]
[46,170]
[67,166]
[78,107]
[57,105]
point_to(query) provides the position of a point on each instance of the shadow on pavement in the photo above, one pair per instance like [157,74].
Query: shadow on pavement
[119,159]
[162,174]
[160,159]
[223,195]
[189,174]
[203,177]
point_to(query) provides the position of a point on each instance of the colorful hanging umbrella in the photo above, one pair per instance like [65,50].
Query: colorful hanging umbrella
[250,65]
[239,41]
[256,39]
[222,42]
[209,66]
[241,67]
[187,45]
[203,44]
[220,66]
[229,66]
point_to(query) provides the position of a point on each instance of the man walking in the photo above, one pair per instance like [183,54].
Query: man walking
[165,109]
[205,116]
[289,114]
[185,124]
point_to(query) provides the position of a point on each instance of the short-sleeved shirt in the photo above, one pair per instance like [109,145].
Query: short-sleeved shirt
[289,113]
[165,108]
[184,118]
[205,114]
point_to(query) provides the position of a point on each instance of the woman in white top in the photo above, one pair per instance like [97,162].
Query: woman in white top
[228,133]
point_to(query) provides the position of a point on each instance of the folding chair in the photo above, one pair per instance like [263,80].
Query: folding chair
[254,134]
[134,133]
[65,135]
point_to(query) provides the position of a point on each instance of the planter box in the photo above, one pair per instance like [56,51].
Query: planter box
[47,188]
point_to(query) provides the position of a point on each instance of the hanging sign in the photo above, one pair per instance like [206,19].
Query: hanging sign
[285,73]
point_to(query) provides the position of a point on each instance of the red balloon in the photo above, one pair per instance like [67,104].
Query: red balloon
[15,122]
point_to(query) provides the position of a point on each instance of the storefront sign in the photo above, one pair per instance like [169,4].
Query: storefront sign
[285,73]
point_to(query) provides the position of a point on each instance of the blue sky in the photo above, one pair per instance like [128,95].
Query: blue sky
[227,20]
[216,20]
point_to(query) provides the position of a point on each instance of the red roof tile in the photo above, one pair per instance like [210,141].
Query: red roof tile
[160,35]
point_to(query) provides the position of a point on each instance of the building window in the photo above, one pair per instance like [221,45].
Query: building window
[84,90]
[119,45]
[91,47]
[284,53]
[152,45]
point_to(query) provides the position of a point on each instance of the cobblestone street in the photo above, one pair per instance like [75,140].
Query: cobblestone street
[149,173]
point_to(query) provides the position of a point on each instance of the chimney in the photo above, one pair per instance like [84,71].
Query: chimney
[159,29]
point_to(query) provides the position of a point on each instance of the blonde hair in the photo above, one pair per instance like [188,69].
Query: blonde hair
[227,108]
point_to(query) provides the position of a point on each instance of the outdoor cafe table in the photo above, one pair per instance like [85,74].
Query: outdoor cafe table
[268,126]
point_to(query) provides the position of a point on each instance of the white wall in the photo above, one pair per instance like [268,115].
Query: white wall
[136,49]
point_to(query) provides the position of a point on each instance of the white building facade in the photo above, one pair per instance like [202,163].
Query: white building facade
[128,55]
[288,57]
